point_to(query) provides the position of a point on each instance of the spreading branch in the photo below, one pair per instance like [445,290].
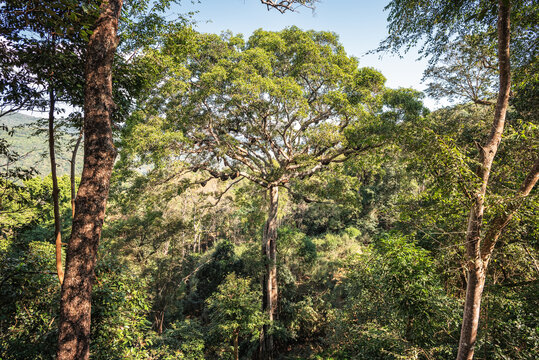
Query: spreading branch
[284,6]
[502,219]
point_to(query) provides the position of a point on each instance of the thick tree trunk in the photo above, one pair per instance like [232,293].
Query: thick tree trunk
[269,282]
[99,155]
[72,173]
[476,266]
[55,191]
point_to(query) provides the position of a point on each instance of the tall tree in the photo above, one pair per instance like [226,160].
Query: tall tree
[99,155]
[284,105]
[103,104]
[31,28]
[432,24]
[234,311]
[55,191]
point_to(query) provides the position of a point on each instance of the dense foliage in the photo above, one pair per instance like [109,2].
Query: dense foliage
[370,223]
[354,282]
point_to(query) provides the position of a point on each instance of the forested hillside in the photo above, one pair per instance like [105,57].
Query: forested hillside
[29,139]
[265,195]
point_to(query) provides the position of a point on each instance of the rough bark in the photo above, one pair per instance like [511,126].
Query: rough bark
[269,282]
[476,267]
[72,173]
[470,322]
[55,191]
[99,155]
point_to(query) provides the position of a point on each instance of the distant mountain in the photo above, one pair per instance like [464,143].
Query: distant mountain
[30,140]
[18,119]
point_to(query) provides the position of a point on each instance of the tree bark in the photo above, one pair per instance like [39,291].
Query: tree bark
[470,321]
[55,191]
[72,173]
[476,266]
[99,156]
[236,346]
[269,282]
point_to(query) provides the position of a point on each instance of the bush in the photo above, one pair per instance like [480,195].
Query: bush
[235,314]
[182,340]
[395,306]
[29,300]
[120,307]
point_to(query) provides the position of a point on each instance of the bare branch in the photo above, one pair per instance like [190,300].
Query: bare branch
[337,157]
[226,190]
[307,199]
[283,6]
[482,102]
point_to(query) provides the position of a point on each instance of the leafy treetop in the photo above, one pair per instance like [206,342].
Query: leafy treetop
[280,106]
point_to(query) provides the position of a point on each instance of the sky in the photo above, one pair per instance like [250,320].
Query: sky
[360,24]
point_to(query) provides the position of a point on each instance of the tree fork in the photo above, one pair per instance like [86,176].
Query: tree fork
[99,156]
[476,266]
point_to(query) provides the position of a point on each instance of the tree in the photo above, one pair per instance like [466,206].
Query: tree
[234,311]
[74,327]
[282,106]
[395,305]
[101,107]
[466,71]
[54,76]
[434,24]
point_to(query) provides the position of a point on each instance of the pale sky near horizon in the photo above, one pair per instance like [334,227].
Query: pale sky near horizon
[360,24]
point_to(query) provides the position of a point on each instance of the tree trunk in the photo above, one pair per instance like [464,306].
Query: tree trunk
[159,321]
[55,191]
[72,174]
[269,282]
[99,155]
[472,307]
[236,346]
[477,267]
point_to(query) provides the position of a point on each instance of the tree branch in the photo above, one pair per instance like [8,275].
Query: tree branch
[501,220]
[305,198]
[225,191]
[283,6]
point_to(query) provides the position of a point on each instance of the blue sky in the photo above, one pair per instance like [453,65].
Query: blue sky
[360,24]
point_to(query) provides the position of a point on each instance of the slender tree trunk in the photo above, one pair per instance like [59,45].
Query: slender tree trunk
[269,282]
[159,321]
[236,346]
[477,266]
[55,191]
[470,322]
[99,155]
[72,174]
